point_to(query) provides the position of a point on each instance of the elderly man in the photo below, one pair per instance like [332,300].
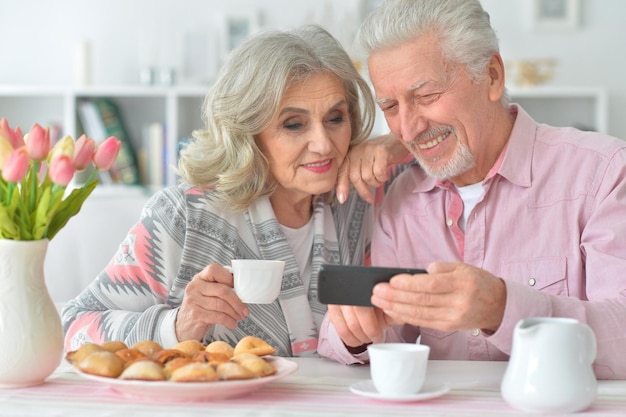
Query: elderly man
[511,219]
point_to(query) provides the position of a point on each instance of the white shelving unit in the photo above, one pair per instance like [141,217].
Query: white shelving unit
[586,108]
[178,108]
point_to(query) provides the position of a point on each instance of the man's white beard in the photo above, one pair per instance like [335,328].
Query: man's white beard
[461,161]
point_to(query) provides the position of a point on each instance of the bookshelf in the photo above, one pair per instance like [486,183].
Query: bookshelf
[177,108]
[586,108]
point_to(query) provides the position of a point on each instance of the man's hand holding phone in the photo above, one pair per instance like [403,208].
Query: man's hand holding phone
[348,290]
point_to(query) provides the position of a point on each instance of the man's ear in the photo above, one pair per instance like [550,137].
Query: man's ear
[496,77]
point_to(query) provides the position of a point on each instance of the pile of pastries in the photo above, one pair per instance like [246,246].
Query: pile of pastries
[188,361]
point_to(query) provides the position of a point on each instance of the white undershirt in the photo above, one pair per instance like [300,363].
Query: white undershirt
[301,242]
[470,195]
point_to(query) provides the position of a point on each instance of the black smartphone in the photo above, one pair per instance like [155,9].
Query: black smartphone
[353,285]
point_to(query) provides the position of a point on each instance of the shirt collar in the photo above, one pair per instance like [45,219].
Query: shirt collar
[514,162]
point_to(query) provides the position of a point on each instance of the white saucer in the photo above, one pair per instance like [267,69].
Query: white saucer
[366,389]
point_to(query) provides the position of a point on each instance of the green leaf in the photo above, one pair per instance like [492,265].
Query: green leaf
[70,207]
[19,214]
[42,215]
[8,228]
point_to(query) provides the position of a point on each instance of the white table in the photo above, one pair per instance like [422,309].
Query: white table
[319,388]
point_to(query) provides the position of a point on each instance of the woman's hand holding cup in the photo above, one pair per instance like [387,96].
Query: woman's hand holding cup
[209,300]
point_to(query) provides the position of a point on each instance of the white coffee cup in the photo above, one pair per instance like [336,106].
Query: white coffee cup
[398,369]
[257,281]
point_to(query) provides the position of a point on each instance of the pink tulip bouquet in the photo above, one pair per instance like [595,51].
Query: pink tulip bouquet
[34,203]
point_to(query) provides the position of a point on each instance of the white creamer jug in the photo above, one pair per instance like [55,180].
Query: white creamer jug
[550,369]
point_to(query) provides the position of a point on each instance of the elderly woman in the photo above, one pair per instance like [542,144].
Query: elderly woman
[258,182]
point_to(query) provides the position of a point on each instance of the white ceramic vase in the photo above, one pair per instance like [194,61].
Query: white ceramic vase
[31,335]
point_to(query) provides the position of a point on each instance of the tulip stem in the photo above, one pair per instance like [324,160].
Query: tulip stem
[92,175]
[34,180]
[10,186]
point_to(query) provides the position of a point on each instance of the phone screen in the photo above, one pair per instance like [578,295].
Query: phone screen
[353,285]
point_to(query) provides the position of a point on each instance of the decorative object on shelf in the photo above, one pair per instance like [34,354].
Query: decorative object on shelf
[147,76]
[167,76]
[163,76]
[237,27]
[556,15]
[82,63]
[33,208]
[531,72]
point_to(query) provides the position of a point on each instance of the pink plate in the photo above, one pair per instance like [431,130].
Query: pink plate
[194,391]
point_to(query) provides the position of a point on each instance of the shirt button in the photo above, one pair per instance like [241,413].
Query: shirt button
[475,332]
[449,222]
[532,282]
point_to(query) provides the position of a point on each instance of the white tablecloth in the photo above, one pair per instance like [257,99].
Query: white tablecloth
[319,388]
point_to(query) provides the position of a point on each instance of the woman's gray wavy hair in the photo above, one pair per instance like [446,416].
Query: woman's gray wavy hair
[462,26]
[245,99]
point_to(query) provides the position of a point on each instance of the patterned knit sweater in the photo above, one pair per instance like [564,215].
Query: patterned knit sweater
[181,230]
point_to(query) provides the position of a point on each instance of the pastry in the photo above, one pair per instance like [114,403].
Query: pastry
[194,372]
[130,355]
[174,364]
[189,347]
[102,363]
[113,345]
[252,344]
[166,355]
[221,347]
[256,364]
[144,370]
[188,361]
[147,347]
[209,357]
[76,356]
[232,370]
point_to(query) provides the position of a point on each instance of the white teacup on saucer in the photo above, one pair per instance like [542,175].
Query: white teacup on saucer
[398,368]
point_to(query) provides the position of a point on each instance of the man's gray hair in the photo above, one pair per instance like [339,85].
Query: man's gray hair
[462,27]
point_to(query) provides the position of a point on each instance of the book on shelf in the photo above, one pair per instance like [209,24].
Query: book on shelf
[152,155]
[101,118]
[90,122]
